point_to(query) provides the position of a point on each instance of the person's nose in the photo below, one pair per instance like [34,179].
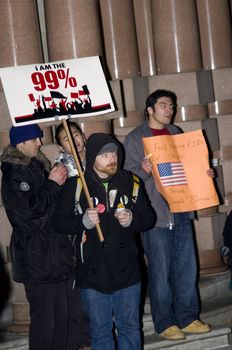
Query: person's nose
[169,108]
[38,142]
[112,157]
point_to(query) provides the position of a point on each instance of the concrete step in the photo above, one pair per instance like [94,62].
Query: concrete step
[11,341]
[216,339]
[215,286]
[6,316]
[215,313]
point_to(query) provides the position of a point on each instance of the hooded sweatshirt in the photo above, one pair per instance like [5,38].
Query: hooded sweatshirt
[113,264]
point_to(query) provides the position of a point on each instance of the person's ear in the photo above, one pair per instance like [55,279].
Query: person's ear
[19,146]
[60,148]
[149,110]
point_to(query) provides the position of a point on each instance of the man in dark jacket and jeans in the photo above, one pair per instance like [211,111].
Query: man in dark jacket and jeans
[108,272]
[41,258]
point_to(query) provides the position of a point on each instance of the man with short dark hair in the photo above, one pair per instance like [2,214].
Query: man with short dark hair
[41,258]
[169,246]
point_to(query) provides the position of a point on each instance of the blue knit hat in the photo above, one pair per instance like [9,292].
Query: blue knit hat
[20,134]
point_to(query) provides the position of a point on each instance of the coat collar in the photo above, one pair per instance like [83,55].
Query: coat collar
[14,156]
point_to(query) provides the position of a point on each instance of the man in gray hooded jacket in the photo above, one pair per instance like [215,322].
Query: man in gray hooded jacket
[169,246]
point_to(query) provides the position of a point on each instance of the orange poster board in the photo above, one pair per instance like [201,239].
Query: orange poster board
[180,164]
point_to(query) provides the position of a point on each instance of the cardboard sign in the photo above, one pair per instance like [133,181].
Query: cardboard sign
[180,164]
[50,91]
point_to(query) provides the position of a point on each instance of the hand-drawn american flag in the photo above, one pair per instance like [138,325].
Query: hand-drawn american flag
[172,174]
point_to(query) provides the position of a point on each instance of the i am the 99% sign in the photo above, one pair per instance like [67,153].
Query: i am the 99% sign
[53,79]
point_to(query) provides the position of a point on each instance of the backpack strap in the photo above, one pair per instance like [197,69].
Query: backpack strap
[78,195]
[135,190]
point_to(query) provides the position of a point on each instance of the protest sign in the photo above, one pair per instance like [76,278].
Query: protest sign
[47,91]
[180,164]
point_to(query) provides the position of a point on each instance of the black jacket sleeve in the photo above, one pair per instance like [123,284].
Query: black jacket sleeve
[227,232]
[66,219]
[29,199]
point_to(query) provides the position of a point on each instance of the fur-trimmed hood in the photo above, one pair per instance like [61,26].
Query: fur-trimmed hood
[14,156]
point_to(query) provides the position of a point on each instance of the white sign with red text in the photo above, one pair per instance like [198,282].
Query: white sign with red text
[51,91]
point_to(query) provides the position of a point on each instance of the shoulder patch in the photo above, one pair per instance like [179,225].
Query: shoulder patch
[24,186]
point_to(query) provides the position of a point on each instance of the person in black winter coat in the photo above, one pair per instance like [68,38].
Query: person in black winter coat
[41,258]
[108,272]
[226,250]
[5,286]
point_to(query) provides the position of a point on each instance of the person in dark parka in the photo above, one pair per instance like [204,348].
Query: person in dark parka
[226,250]
[41,258]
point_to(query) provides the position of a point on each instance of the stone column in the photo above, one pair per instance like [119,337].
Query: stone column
[73,29]
[176,36]
[120,38]
[20,44]
[143,22]
[75,32]
[20,41]
[215,32]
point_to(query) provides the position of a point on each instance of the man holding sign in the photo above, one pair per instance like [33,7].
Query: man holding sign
[169,246]
[108,271]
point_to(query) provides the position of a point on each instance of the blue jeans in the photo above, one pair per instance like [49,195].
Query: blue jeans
[122,306]
[172,274]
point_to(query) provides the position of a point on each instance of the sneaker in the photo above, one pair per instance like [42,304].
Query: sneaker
[172,333]
[196,327]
